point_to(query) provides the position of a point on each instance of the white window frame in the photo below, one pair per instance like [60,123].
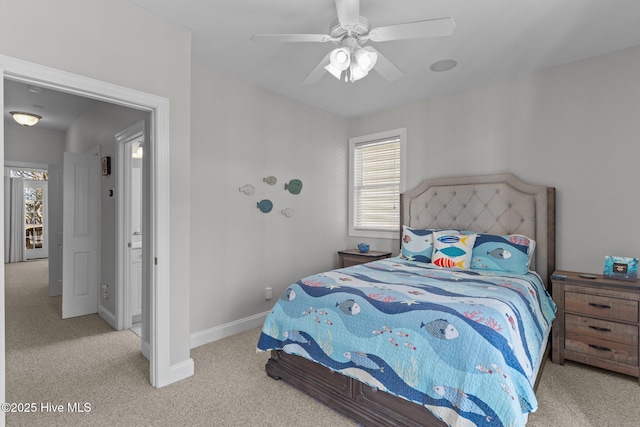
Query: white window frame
[400,133]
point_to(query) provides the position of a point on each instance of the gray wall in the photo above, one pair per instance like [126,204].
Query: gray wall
[118,42]
[574,127]
[33,145]
[241,134]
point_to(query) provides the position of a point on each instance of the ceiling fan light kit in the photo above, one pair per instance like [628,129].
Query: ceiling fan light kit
[351,64]
[352,61]
[340,58]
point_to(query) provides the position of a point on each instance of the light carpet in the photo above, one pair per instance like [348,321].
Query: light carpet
[83,360]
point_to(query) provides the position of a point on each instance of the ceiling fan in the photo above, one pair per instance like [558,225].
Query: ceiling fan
[351,60]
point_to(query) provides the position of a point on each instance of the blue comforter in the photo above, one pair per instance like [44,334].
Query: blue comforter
[463,343]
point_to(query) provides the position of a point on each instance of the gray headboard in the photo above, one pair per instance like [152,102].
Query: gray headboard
[496,204]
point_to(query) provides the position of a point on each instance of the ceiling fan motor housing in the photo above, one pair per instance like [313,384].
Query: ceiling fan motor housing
[361,29]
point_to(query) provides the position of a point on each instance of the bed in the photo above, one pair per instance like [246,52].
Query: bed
[446,344]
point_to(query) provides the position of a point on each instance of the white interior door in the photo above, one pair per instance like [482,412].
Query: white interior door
[80,232]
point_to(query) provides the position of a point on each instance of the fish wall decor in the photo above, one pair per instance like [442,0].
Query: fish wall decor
[265,205]
[288,212]
[247,189]
[271,180]
[294,186]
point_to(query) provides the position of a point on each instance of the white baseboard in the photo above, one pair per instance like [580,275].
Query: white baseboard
[108,317]
[218,332]
[180,371]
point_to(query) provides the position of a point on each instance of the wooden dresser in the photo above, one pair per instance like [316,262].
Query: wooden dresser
[351,257]
[597,322]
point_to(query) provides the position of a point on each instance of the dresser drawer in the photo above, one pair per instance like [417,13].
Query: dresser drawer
[610,350]
[602,329]
[351,257]
[601,306]
[348,260]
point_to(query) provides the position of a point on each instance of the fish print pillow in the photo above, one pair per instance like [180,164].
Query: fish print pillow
[512,253]
[452,249]
[417,244]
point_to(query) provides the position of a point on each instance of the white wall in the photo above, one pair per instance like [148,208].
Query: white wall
[121,43]
[240,134]
[98,126]
[574,127]
[33,145]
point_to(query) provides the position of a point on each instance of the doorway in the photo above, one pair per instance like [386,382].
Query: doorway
[26,212]
[130,192]
[35,207]
[156,240]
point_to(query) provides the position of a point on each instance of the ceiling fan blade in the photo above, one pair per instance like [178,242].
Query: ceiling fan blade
[288,38]
[348,12]
[317,72]
[413,30]
[385,67]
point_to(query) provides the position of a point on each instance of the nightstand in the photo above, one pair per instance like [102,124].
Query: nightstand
[351,257]
[597,322]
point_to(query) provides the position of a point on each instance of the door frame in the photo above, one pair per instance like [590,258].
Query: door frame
[123,255]
[157,257]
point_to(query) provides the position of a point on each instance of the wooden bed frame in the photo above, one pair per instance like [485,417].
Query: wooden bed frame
[497,204]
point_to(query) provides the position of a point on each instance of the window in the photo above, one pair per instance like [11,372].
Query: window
[375,183]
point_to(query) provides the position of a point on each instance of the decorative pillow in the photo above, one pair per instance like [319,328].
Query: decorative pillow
[417,244]
[452,249]
[512,253]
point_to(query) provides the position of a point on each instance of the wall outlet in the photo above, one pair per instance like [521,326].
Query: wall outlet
[105,292]
[268,293]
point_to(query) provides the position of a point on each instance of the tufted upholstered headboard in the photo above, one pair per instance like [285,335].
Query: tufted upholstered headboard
[496,204]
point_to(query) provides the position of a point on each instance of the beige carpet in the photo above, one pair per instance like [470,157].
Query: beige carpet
[83,360]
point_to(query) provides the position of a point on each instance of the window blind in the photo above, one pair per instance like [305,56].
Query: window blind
[377,185]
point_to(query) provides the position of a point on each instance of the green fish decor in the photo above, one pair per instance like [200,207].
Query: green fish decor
[294,186]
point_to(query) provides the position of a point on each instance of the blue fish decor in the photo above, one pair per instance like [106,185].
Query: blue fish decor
[451,251]
[294,186]
[265,205]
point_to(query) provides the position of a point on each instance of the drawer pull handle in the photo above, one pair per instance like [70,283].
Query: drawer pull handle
[596,328]
[597,347]
[593,304]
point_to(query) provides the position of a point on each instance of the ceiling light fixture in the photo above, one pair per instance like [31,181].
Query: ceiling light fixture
[366,59]
[339,61]
[351,62]
[25,119]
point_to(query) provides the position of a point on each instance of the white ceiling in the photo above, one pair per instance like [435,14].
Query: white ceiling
[58,109]
[493,40]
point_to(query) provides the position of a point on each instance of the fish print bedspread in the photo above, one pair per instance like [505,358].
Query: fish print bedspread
[463,343]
